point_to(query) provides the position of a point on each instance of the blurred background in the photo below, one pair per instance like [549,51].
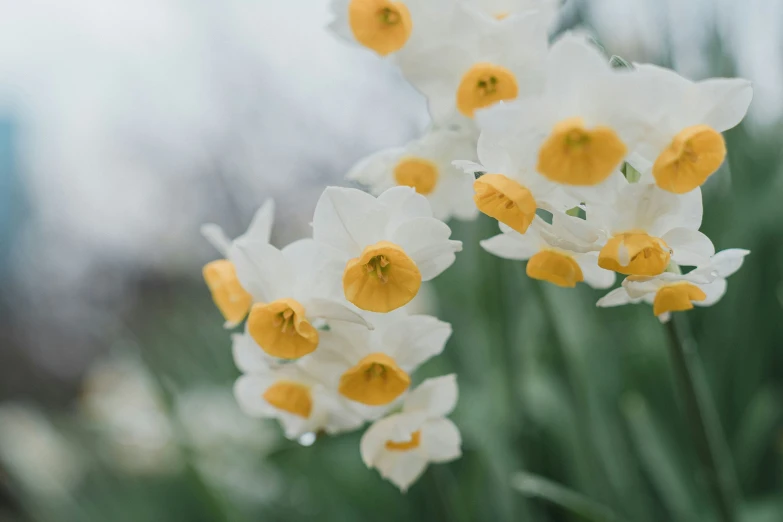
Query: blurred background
[126,125]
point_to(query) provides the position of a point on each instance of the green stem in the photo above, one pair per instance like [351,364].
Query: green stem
[578,504]
[707,436]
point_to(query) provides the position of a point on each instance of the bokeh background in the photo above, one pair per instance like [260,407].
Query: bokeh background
[125,125]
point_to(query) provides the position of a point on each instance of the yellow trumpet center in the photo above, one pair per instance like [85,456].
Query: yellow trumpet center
[231,299]
[693,155]
[281,329]
[677,297]
[505,200]
[405,446]
[380,25]
[483,85]
[419,173]
[635,253]
[291,397]
[375,380]
[557,268]
[382,279]
[575,155]
[500,16]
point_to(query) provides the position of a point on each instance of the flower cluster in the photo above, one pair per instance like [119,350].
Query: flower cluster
[590,169]
[328,343]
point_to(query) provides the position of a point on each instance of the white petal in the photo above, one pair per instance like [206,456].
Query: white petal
[261,268]
[339,415]
[248,356]
[513,245]
[403,204]
[377,170]
[721,103]
[216,237]
[374,440]
[714,292]
[414,339]
[689,247]
[333,311]
[427,243]
[402,468]
[594,275]
[260,228]
[249,391]
[572,59]
[726,262]
[436,396]
[618,296]
[441,440]
[469,167]
[317,270]
[348,220]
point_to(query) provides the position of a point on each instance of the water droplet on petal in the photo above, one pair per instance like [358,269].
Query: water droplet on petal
[307,439]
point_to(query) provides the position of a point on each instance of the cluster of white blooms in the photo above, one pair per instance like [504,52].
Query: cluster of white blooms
[589,170]
[328,342]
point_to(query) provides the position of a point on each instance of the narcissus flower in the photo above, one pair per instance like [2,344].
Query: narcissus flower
[425,165]
[291,288]
[373,368]
[387,26]
[387,245]
[685,120]
[479,68]
[647,228]
[579,128]
[401,445]
[564,252]
[232,300]
[673,292]
[301,403]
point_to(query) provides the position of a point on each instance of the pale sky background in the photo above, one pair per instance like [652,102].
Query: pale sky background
[134,122]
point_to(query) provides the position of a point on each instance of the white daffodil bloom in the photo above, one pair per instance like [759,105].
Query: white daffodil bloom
[646,227]
[301,403]
[372,368]
[386,245]
[401,445]
[425,165]
[500,11]
[564,253]
[388,27]
[232,300]
[670,292]
[480,67]
[685,120]
[292,288]
[510,190]
[578,129]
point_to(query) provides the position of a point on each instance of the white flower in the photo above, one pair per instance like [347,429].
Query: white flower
[372,368]
[390,27]
[479,67]
[580,126]
[684,123]
[511,191]
[670,292]
[563,253]
[646,228]
[292,288]
[387,246]
[401,445]
[425,165]
[232,300]
[300,402]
